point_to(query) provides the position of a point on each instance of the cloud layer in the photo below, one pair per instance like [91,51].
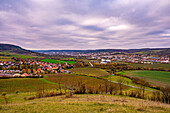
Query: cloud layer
[85,24]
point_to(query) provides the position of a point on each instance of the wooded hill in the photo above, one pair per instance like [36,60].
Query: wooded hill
[8,49]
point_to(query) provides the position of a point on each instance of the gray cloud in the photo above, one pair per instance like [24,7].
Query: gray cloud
[85,24]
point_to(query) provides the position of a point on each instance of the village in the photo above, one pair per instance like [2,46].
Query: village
[31,68]
[141,59]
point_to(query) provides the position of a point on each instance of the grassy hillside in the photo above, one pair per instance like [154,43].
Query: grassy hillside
[90,71]
[82,104]
[157,77]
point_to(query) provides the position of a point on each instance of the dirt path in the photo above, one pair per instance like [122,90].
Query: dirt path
[130,85]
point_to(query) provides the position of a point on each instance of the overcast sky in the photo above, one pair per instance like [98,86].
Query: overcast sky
[85,24]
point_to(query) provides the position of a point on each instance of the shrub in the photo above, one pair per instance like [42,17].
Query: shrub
[29,98]
[3,93]
[5,97]
[17,91]
[39,94]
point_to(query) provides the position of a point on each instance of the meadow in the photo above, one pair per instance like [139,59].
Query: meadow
[91,103]
[90,71]
[155,66]
[58,61]
[156,77]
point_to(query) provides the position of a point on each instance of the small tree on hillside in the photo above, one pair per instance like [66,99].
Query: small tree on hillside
[5,97]
[106,85]
[120,81]
[143,83]
[111,88]
[166,94]
[59,82]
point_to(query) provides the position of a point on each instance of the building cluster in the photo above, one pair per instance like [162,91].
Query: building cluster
[31,68]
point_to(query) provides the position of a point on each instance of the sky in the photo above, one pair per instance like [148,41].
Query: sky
[85,24]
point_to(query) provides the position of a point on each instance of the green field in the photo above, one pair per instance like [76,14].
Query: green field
[156,66]
[58,61]
[157,77]
[24,85]
[90,71]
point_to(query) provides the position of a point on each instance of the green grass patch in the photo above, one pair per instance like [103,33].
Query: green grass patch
[44,80]
[58,61]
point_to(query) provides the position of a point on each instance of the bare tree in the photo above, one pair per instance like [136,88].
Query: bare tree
[111,88]
[143,83]
[120,81]
[65,85]
[106,85]
[166,94]
[59,82]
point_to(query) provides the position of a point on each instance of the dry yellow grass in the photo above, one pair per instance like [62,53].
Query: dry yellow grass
[85,103]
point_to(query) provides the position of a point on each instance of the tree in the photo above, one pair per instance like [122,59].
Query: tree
[59,82]
[143,83]
[166,94]
[120,81]
[111,89]
[106,85]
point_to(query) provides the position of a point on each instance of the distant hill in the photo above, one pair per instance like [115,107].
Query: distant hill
[150,51]
[13,49]
[8,49]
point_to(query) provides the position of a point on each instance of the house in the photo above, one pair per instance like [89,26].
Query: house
[17,75]
[24,75]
